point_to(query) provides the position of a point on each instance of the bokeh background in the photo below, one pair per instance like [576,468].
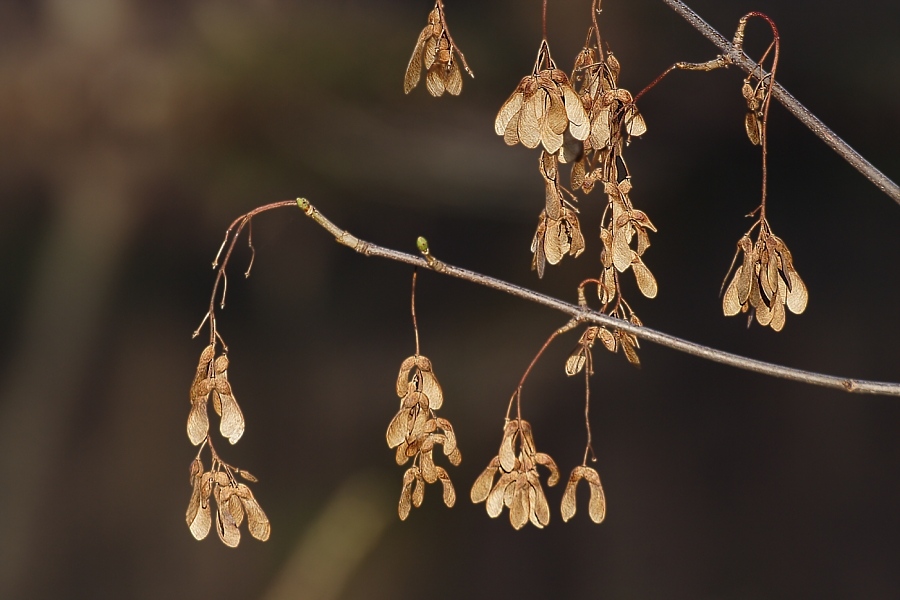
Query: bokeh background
[134,131]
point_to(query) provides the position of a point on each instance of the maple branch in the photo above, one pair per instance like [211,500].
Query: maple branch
[737,57]
[586,315]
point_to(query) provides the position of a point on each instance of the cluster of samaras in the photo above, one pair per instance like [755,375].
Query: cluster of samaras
[234,502]
[415,431]
[584,120]
[211,382]
[518,486]
[765,281]
[435,49]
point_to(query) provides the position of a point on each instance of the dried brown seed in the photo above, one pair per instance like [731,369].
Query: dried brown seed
[232,424]
[645,280]
[198,423]
[483,484]
[507,453]
[449,492]
[201,522]
[226,527]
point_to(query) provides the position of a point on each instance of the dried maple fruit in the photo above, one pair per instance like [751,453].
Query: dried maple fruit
[518,486]
[766,281]
[436,51]
[415,430]
[542,108]
[597,504]
[211,382]
[233,500]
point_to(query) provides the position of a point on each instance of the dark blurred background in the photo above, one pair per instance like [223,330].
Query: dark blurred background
[134,131]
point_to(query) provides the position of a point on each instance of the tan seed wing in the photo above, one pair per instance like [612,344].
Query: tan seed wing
[568,501]
[399,427]
[236,508]
[511,134]
[576,243]
[509,110]
[731,304]
[579,122]
[507,453]
[400,456]
[798,296]
[645,280]
[597,505]
[752,126]
[519,509]
[426,464]
[623,255]
[482,486]
[418,495]
[414,68]
[600,134]
[432,389]
[747,269]
[643,241]
[227,528]
[763,312]
[201,523]
[449,492]
[449,435]
[494,504]
[430,51]
[555,113]
[434,81]
[556,242]
[232,423]
[630,351]
[530,118]
[778,314]
[405,503]
[257,522]
[552,141]
[403,376]
[453,80]
[198,423]
[634,122]
[575,362]
[607,339]
[539,506]
[194,503]
[577,178]
[552,201]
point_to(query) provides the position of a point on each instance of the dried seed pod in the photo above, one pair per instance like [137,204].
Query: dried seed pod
[518,487]
[438,55]
[597,504]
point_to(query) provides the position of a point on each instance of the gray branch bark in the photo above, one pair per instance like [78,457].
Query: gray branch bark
[824,133]
[590,316]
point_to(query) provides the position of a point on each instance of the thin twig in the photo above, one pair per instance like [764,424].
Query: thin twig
[881,181]
[584,315]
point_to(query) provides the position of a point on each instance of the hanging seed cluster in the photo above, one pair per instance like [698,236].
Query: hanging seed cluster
[415,431]
[219,486]
[518,486]
[441,58]
[765,282]
[583,120]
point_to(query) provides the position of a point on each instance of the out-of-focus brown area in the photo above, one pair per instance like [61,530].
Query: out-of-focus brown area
[134,131]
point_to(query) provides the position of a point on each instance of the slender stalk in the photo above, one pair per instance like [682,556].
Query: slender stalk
[585,315]
[856,160]
[415,324]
